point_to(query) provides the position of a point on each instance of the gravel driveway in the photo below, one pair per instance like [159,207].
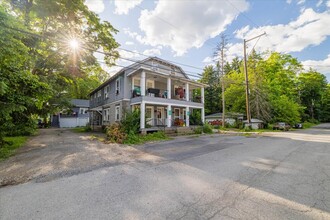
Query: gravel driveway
[55,153]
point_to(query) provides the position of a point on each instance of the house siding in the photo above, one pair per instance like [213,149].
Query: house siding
[112,97]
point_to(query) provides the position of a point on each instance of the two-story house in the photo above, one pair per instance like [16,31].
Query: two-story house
[161,90]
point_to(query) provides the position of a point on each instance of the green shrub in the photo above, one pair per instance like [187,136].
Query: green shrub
[207,128]
[115,133]
[198,130]
[308,124]
[10,146]
[131,122]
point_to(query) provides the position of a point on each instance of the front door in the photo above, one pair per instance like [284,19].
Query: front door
[150,115]
[160,116]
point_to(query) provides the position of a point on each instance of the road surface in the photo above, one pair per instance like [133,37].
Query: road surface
[282,175]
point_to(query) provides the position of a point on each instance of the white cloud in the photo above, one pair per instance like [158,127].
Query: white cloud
[152,52]
[322,66]
[123,6]
[319,3]
[309,29]
[182,26]
[96,6]
[288,1]
[128,54]
[300,2]
[328,3]
[129,43]
[208,60]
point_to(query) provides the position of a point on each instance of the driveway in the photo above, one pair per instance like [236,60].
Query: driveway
[55,153]
[270,176]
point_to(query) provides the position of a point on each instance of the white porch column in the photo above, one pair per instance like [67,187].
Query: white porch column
[142,115]
[187,116]
[203,115]
[143,84]
[187,92]
[202,95]
[169,88]
[169,116]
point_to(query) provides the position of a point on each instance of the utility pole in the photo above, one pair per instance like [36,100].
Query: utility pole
[223,84]
[248,112]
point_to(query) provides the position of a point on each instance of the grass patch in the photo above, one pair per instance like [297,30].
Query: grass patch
[14,143]
[140,139]
[82,129]
[308,125]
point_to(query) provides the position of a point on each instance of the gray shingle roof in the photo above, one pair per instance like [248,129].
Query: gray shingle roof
[80,102]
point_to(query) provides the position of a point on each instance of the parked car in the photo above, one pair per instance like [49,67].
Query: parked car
[281,126]
[298,125]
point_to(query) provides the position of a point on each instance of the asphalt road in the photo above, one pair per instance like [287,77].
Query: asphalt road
[273,176]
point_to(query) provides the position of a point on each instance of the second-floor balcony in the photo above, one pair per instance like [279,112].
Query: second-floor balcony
[164,94]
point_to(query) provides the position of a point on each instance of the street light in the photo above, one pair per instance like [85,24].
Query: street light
[248,112]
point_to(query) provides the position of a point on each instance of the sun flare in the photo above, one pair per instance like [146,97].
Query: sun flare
[74,44]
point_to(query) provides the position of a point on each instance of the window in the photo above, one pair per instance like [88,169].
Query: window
[83,111]
[150,84]
[136,82]
[117,113]
[117,86]
[106,92]
[106,114]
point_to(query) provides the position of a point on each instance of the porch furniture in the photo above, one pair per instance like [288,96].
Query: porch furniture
[153,91]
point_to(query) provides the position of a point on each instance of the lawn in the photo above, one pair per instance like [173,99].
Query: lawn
[9,149]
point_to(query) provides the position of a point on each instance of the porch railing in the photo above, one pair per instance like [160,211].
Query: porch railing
[159,93]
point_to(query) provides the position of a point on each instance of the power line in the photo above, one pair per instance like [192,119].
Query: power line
[182,64]
[104,53]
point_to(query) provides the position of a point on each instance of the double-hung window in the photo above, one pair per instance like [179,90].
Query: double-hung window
[117,86]
[106,92]
[117,113]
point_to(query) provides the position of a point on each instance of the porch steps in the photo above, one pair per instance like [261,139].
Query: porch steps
[179,131]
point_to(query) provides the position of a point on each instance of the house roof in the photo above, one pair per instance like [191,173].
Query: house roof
[254,120]
[80,102]
[219,115]
[137,63]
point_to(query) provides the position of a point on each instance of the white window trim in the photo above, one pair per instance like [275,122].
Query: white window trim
[117,86]
[117,113]
[106,92]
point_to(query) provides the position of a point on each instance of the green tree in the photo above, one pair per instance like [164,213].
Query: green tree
[325,105]
[56,23]
[312,86]
[21,93]
[212,93]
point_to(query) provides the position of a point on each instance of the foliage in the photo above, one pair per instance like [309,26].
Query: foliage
[115,133]
[39,72]
[87,128]
[210,76]
[140,139]
[279,90]
[131,122]
[195,117]
[325,105]
[21,92]
[312,86]
[308,124]
[12,143]
[206,128]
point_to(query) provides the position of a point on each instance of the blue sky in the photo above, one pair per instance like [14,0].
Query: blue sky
[187,31]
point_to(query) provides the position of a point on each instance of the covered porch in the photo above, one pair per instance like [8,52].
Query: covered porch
[165,116]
